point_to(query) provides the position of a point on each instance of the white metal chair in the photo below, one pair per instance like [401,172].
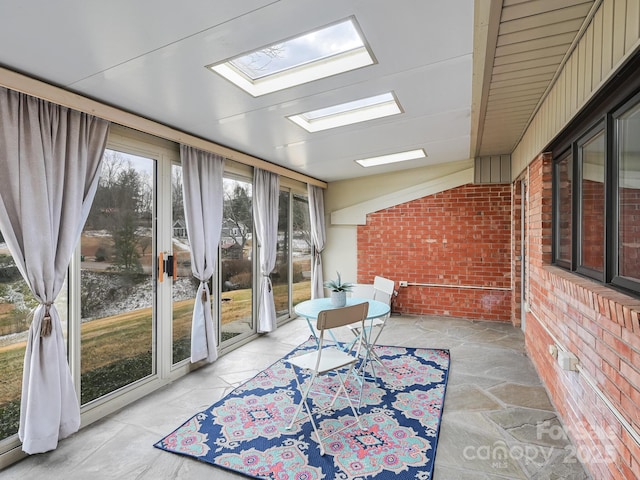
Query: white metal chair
[326,360]
[382,291]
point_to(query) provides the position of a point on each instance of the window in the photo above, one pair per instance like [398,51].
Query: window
[324,52]
[185,285]
[596,186]
[592,203]
[348,113]
[127,324]
[291,277]
[392,158]
[280,274]
[301,249]
[117,280]
[564,209]
[627,146]
[16,303]
[126,321]
[236,260]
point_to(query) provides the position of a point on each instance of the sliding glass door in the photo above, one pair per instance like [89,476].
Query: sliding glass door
[184,285]
[236,261]
[291,277]
[127,306]
[118,249]
[301,250]
[280,275]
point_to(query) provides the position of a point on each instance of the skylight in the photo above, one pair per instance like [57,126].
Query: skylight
[328,51]
[392,158]
[348,113]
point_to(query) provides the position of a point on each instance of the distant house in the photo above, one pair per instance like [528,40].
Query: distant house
[232,229]
[179,229]
[234,232]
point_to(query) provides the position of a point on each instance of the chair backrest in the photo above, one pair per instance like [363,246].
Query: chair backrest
[383,289]
[362,290]
[339,317]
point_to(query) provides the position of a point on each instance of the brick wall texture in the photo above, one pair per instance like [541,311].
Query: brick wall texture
[471,237]
[597,324]
[457,241]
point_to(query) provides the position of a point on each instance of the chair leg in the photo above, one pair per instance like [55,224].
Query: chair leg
[304,403]
[314,426]
[302,400]
[374,343]
[343,387]
[372,356]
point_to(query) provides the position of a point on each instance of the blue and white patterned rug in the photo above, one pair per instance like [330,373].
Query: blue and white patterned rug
[246,431]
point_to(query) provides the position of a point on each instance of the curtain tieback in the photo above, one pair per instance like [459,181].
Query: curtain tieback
[45,327]
[203,297]
[269,284]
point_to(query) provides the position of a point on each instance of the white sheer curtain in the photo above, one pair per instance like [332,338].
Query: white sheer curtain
[50,158]
[318,237]
[203,202]
[266,197]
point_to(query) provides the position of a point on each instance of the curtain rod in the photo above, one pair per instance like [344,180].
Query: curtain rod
[37,88]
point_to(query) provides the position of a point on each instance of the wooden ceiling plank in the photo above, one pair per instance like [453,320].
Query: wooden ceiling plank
[548,18]
[542,31]
[532,55]
[546,69]
[541,43]
[528,64]
[522,80]
[526,97]
[538,7]
[520,88]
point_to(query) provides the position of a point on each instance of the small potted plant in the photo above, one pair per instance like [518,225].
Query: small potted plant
[339,291]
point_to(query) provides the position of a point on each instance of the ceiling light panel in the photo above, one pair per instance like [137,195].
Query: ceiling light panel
[328,51]
[392,158]
[348,113]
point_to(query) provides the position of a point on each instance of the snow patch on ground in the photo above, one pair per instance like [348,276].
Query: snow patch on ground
[117,295]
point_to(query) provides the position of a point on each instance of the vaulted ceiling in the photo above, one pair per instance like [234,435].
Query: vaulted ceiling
[468,75]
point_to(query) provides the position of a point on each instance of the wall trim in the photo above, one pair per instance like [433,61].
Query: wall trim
[462,287]
[357,214]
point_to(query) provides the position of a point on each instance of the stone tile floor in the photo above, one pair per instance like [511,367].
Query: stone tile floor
[498,422]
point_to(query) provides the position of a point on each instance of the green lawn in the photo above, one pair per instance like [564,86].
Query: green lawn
[118,350]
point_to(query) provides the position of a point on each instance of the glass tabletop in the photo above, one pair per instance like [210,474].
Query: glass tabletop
[311,308]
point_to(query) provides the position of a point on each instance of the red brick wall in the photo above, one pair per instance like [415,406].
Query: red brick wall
[600,326]
[630,231]
[593,225]
[460,238]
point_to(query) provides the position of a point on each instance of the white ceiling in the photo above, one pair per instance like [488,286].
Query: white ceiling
[149,56]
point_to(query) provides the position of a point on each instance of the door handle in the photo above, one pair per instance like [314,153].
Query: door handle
[167,264]
[161,267]
[171,267]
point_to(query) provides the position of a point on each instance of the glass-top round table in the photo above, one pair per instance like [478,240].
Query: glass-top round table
[311,308]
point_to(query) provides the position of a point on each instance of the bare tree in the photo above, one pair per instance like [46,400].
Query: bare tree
[237,212]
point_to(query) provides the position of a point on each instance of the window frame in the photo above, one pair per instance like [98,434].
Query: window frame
[612,101]
[578,194]
[614,250]
[565,263]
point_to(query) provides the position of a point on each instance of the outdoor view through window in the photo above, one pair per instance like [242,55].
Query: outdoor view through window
[16,303]
[115,287]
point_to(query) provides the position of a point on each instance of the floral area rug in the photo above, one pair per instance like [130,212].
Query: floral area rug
[246,431]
